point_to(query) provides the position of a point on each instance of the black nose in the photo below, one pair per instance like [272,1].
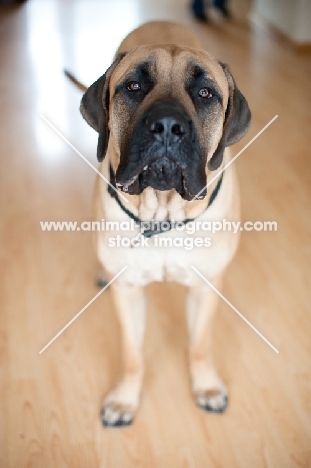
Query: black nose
[167,127]
[167,123]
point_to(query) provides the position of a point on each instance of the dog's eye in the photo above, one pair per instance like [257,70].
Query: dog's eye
[205,93]
[133,86]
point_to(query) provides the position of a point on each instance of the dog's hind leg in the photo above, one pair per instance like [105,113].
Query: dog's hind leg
[101,279]
[121,404]
[209,391]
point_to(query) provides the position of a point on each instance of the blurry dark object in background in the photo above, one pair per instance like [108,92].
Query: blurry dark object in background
[11,2]
[199,11]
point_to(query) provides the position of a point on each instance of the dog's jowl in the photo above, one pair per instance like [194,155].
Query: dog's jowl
[165,112]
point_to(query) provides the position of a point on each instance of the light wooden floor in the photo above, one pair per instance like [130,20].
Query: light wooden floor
[50,403]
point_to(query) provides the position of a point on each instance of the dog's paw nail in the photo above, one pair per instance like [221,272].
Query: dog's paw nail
[215,401]
[114,415]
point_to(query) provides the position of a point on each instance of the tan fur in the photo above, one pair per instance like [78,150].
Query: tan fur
[164,32]
[154,264]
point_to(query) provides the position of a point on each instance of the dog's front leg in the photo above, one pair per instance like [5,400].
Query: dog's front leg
[209,391]
[121,404]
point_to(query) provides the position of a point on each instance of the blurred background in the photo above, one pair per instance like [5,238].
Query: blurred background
[50,403]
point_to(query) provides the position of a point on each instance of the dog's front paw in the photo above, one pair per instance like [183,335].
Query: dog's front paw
[214,400]
[117,415]
[119,407]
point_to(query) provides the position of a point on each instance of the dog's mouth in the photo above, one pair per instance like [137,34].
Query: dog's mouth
[162,174]
[163,154]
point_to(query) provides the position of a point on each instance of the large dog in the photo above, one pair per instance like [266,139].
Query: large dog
[165,111]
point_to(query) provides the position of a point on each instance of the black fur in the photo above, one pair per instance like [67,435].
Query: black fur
[237,120]
[95,107]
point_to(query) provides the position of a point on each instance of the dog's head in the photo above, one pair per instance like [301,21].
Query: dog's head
[170,112]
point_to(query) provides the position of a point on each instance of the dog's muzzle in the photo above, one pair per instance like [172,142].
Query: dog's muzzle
[163,154]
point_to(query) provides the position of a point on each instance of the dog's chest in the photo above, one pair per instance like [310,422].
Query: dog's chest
[168,257]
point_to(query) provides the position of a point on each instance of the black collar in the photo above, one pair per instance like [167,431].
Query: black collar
[170,224]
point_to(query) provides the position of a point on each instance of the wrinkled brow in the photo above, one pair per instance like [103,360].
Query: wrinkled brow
[199,76]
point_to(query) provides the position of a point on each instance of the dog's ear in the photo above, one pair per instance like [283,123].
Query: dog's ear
[94,107]
[237,120]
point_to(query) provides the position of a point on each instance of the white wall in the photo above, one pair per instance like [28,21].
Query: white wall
[292,17]
[303,21]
